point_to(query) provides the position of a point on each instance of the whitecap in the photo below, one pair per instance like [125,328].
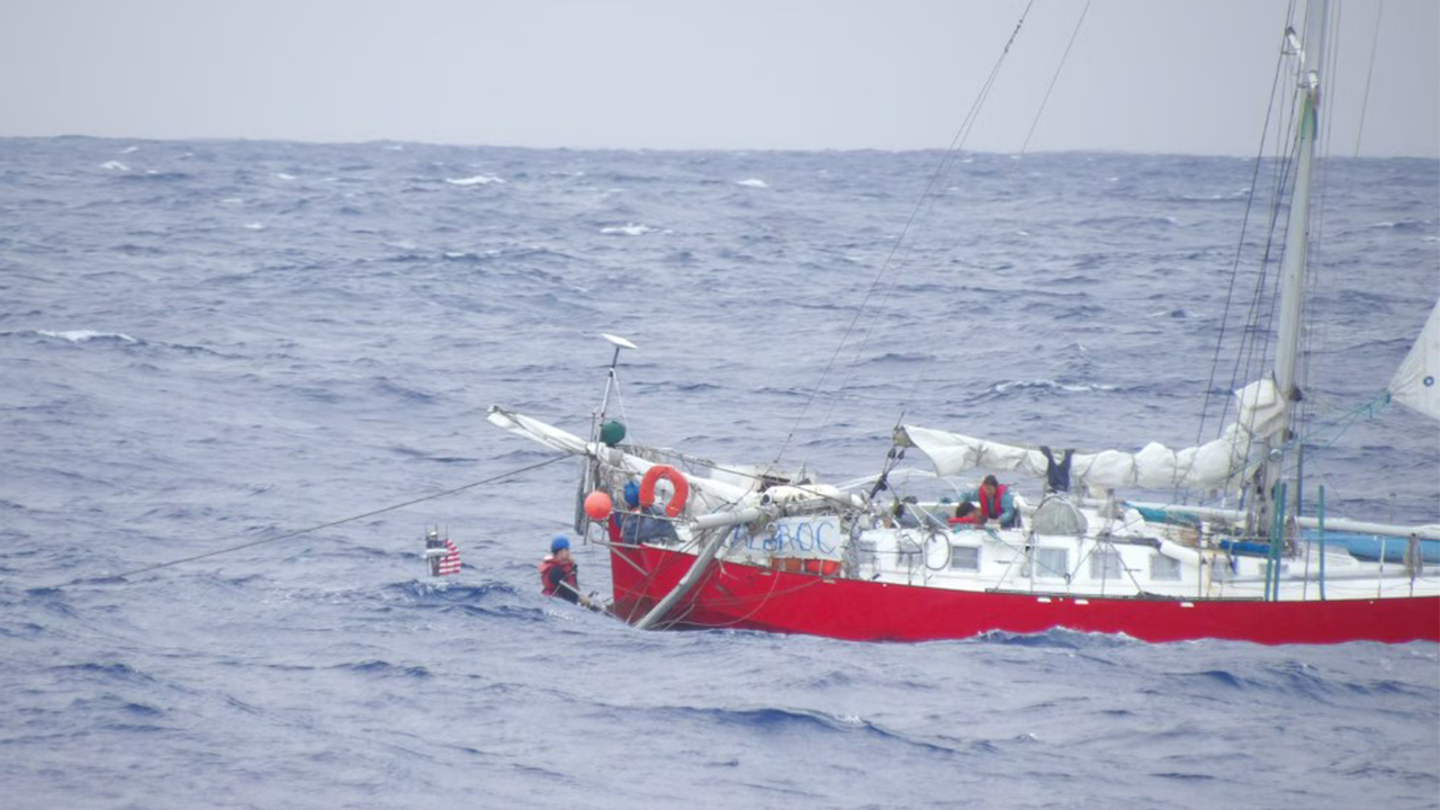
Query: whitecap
[129,150]
[284,176]
[1053,386]
[84,335]
[629,229]
[253,226]
[477,180]
[116,165]
[753,182]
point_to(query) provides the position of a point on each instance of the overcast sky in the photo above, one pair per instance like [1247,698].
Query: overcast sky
[1187,76]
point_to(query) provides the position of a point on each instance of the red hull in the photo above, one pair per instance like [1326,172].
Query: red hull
[752,598]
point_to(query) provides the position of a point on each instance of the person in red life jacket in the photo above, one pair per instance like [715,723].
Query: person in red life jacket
[966,516]
[994,503]
[559,574]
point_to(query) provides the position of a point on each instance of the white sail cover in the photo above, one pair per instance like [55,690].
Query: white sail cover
[1212,465]
[1414,383]
[712,494]
[535,430]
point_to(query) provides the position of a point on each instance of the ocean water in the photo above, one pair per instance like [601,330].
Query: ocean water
[205,345]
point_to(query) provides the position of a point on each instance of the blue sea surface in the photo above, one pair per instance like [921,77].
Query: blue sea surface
[210,344]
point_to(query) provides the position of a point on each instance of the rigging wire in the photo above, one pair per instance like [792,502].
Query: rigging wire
[1239,252]
[1250,337]
[1254,352]
[1055,78]
[333,523]
[1370,74]
[941,170]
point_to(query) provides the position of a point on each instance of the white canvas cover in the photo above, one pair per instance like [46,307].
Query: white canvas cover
[1212,465]
[1415,382]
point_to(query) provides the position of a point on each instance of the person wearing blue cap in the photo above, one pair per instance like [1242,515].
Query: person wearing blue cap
[559,575]
[639,524]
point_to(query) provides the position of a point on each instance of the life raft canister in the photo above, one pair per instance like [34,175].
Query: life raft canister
[676,479]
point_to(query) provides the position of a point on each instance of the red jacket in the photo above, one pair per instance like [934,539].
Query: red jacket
[549,584]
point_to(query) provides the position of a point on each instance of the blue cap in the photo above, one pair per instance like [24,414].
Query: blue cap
[558,543]
[632,494]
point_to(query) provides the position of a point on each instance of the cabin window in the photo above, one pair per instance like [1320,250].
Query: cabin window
[1105,564]
[1164,569]
[1053,563]
[965,558]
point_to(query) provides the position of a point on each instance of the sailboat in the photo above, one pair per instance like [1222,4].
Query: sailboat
[760,548]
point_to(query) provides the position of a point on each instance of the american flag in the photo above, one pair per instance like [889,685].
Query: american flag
[450,563]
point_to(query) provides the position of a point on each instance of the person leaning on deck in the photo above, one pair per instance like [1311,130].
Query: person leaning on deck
[639,524]
[995,503]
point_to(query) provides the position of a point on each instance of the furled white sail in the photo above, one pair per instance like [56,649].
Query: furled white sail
[1414,383]
[711,493]
[535,430]
[1212,465]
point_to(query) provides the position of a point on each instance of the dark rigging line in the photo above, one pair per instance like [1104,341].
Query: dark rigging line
[333,523]
[940,171]
[1053,79]
[1239,254]
[1370,74]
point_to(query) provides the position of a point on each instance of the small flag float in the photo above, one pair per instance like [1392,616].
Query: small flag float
[442,555]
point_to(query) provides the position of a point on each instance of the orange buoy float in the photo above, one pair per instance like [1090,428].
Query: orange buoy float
[598,505]
[676,479]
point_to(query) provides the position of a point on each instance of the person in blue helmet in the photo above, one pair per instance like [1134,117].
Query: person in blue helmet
[559,575]
[639,525]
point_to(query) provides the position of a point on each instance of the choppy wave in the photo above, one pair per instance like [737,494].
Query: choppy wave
[86,335]
[628,229]
[476,180]
[1050,385]
[271,408]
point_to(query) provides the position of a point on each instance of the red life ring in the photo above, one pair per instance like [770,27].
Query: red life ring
[676,479]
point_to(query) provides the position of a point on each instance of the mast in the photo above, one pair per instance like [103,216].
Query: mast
[590,467]
[1309,55]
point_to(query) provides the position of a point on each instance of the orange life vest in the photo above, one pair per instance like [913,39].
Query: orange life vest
[547,565]
[992,510]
